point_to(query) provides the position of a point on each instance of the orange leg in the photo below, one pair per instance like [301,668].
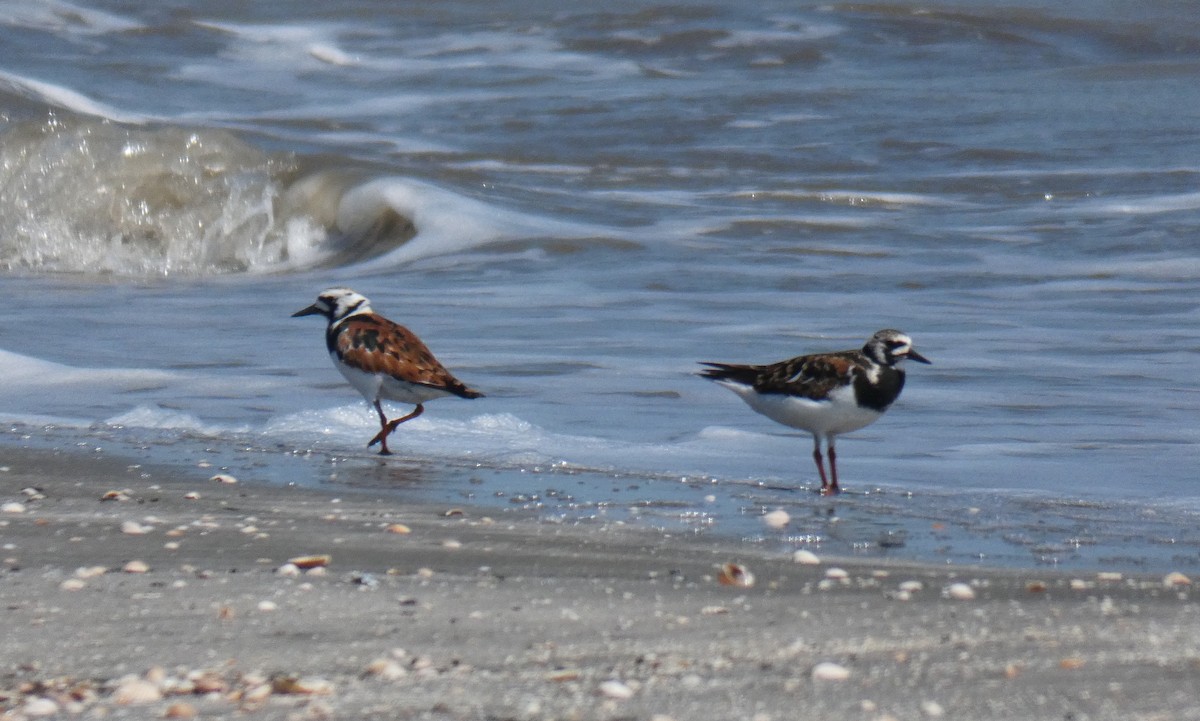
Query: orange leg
[386,427]
[827,488]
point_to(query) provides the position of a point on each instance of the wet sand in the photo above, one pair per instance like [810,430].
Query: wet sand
[174,599]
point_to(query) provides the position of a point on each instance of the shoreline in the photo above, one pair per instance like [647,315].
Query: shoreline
[174,590]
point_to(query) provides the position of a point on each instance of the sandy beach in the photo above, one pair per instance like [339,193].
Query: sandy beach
[138,592]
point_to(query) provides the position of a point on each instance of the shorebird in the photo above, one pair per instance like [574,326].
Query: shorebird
[826,394]
[382,359]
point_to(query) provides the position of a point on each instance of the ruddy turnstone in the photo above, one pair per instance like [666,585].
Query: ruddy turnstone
[826,394]
[382,359]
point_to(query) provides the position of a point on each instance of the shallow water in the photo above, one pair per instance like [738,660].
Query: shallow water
[573,207]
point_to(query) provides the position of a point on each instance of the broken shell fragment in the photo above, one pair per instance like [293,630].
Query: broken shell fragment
[735,574]
[224,478]
[386,669]
[305,686]
[616,690]
[829,671]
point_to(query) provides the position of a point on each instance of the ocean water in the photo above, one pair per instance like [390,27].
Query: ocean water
[573,206]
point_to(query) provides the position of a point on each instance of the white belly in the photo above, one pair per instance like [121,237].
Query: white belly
[376,386]
[840,413]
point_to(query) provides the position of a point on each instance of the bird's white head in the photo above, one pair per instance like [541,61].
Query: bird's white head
[336,304]
[891,348]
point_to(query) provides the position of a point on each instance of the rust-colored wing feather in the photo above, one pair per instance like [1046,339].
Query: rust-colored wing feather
[375,344]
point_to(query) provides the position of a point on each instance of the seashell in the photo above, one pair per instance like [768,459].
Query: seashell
[806,558]
[204,682]
[38,706]
[562,675]
[191,496]
[73,584]
[399,528]
[307,562]
[289,570]
[453,512]
[776,519]
[305,686]
[268,606]
[115,496]
[387,669]
[180,709]
[136,567]
[912,586]
[90,571]
[224,478]
[12,507]
[829,671]
[256,693]
[450,543]
[960,592]
[133,528]
[735,574]
[136,691]
[837,574]
[932,709]
[1175,578]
